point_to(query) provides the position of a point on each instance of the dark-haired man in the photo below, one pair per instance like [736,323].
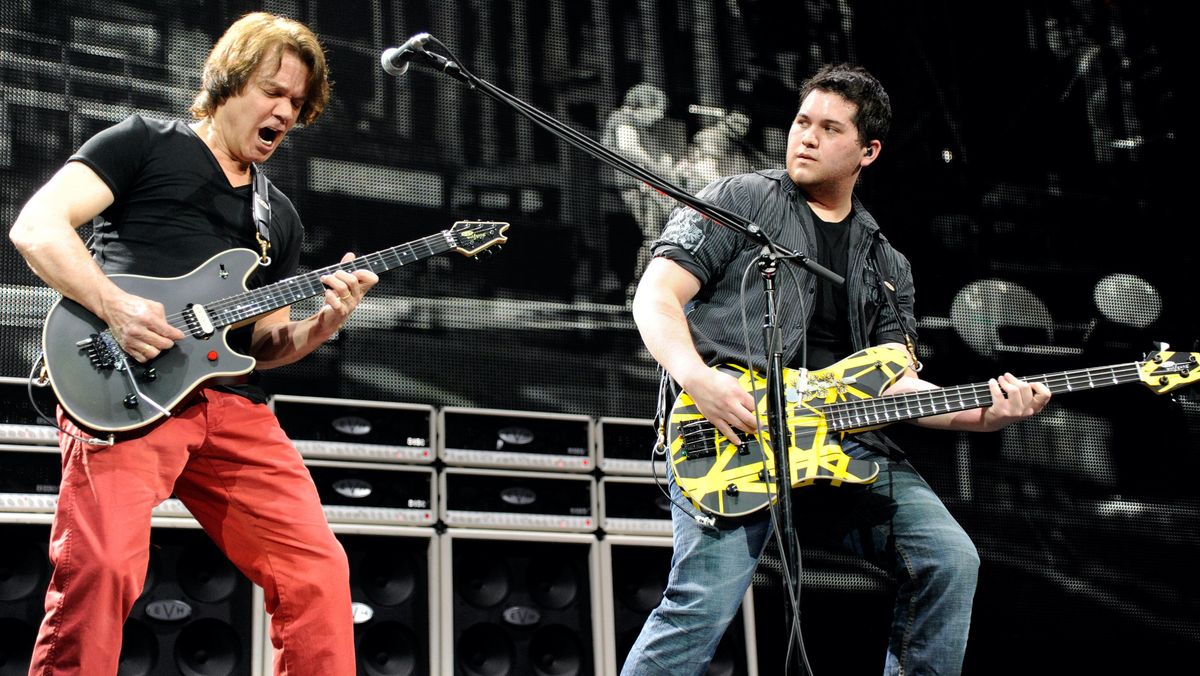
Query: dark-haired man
[687,310]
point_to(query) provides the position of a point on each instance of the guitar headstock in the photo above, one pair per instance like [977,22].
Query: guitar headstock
[1164,371]
[472,237]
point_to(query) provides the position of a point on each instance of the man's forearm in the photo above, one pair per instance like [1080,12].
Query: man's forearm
[282,343]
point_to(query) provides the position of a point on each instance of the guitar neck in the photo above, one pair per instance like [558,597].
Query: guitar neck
[857,414]
[265,299]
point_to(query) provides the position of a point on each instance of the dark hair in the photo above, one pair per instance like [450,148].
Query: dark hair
[859,87]
[245,45]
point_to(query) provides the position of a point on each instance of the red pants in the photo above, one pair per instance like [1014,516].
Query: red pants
[229,462]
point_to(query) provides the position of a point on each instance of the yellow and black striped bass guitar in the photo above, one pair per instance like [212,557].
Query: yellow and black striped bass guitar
[824,407]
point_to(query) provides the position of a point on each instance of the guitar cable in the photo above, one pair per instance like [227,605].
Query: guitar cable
[660,448]
[38,376]
[793,585]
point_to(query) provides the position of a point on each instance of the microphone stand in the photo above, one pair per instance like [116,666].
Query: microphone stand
[768,262]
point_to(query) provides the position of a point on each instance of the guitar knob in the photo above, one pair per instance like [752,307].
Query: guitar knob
[731,490]
[130,401]
[150,375]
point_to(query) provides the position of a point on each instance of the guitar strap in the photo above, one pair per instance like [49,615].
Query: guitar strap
[889,291]
[261,202]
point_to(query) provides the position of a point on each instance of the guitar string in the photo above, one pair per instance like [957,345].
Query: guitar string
[267,293]
[965,397]
[961,397]
[312,279]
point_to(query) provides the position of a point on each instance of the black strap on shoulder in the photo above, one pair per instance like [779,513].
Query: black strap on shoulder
[261,202]
[888,282]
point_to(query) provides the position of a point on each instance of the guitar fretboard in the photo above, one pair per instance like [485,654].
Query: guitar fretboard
[262,300]
[857,414]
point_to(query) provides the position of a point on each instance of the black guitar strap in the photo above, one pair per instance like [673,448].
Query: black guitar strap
[261,202]
[888,282]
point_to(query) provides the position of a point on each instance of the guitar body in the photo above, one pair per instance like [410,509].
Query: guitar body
[97,397]
[730,480]
[822,407]
[105,390]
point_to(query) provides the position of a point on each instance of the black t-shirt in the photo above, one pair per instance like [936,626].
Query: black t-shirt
[829,332]
[174,209]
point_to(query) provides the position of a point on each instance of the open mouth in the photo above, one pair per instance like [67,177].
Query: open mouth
[268,135]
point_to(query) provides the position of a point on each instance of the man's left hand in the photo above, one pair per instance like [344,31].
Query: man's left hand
[344,291]
[1012,399]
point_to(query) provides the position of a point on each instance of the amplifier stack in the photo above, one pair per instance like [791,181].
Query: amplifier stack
[197,614]
[480,541]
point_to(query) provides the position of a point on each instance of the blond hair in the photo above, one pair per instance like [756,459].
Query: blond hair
[244,46]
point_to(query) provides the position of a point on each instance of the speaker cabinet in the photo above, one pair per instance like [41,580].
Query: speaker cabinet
[19,421]
[197,614]
[634,506]
[24,574]
[472,437]
[635,570]
[394,575]
[394,582]
[356,430]
[520,603]
[482,498]
[626,446]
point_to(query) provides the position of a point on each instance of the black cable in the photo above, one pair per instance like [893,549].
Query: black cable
[660,448]
[793,585]
[33,378]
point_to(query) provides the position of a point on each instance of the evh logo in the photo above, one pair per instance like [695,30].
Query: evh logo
[169,610]
[521,616]
[361,612]
[513,436]
[518,496]
[352,425]
[354,489]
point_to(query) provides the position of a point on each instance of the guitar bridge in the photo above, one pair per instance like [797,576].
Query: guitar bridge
[101,350]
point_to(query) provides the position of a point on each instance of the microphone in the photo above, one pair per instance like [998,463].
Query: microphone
[395,60]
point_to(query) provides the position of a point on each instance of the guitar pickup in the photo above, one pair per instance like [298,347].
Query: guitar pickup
[700,440]
[198,322]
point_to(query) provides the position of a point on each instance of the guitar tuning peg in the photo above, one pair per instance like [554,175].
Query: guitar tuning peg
[1159,346]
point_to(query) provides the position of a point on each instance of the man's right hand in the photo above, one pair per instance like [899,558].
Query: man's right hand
[140,326]
[723,402]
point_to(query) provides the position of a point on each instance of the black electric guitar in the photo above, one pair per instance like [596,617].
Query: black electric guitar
[104,389]
[823,407]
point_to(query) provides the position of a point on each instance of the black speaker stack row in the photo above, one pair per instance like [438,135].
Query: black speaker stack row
[524,524]
[196,615]
[481,542]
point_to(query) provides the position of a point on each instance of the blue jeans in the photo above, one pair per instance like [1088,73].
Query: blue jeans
[897,522]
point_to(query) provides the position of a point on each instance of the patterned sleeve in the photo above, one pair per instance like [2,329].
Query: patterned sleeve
[696,243]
